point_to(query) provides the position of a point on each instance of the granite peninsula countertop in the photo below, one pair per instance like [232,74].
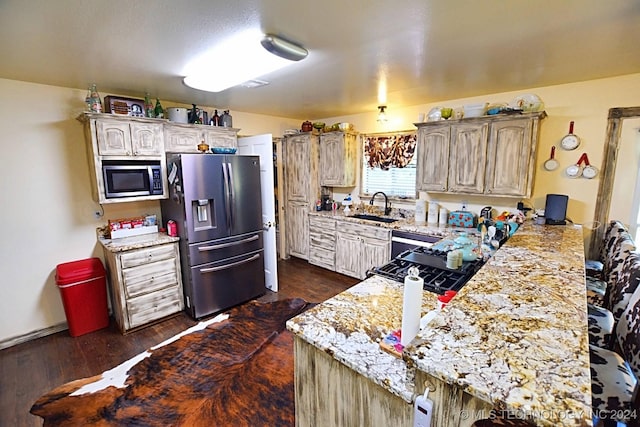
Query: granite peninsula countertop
[136,242]
[515,335]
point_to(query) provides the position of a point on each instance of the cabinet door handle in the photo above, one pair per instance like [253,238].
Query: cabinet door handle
[226,266]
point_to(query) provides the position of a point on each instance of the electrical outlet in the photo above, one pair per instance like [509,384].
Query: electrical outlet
[464,205]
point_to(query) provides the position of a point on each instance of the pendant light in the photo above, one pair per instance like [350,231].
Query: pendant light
[382,116]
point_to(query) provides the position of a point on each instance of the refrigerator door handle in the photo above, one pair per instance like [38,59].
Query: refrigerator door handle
[226,266]
[226,245]
[232,193]
[227,200]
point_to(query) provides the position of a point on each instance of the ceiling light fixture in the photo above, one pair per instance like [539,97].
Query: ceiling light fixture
[283,48]
[241,58]
[382,116]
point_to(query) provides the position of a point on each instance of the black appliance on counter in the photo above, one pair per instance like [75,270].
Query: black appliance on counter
[432,266]
[555,209]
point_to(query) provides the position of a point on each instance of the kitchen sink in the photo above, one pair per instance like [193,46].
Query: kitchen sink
[374,218]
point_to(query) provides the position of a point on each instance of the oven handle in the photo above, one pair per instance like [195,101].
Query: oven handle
[411,242]
[233,264]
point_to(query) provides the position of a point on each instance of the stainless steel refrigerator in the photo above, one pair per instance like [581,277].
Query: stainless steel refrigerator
[216,203]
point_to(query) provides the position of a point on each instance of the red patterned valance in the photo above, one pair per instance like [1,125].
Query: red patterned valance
[389,150]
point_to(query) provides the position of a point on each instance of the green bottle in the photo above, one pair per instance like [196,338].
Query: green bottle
[148,106]
[159,112]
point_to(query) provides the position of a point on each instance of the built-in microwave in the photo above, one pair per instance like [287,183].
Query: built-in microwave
[130,178]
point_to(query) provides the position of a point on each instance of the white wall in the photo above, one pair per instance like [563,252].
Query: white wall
[46,207]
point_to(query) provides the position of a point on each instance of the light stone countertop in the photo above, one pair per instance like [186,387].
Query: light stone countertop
[515,335]
[136,242]
[405,222]
[350,326]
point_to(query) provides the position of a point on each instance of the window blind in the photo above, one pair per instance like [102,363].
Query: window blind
[395,182]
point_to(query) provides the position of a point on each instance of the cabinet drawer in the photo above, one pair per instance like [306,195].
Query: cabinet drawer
[322,222]
[323,257]
[145,256]
[149,307]
[149,277]
[363,230]
[319,238]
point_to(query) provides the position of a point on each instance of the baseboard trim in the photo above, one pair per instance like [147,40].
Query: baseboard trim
[33,335]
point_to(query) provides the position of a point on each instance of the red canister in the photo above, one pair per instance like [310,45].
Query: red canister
[172,228]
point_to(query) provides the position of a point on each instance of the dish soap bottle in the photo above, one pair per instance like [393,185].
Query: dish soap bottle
[346,203]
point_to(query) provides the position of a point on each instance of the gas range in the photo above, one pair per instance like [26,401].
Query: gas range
[432,267]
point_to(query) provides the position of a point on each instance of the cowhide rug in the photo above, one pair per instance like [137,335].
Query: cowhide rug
[233,370]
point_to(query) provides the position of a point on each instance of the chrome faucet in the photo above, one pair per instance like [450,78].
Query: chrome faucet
[387,206]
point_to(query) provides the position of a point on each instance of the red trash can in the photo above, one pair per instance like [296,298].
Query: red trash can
[83,290]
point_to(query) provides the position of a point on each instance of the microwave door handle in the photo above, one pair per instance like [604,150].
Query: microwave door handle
[231,194]
[150,173]
[227,205]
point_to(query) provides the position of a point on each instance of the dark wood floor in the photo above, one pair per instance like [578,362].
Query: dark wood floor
[31,369]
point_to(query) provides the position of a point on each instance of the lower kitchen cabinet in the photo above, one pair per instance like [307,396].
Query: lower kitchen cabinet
[146,284]
[322,242]
[360,248]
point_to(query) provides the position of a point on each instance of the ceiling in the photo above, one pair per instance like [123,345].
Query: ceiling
[421,51]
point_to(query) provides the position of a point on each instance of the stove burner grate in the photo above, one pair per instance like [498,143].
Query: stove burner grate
[432,269]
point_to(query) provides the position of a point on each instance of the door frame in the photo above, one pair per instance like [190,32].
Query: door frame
[609,160]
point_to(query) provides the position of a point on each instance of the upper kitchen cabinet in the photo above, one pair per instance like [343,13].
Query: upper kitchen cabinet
[493,155]
[338,159]
[184,138]
[467,157]
[134,142]
[433,157]
[301,167]
[128,136]
[511,157]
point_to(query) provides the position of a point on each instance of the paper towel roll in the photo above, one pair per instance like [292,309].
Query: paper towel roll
[411,305]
